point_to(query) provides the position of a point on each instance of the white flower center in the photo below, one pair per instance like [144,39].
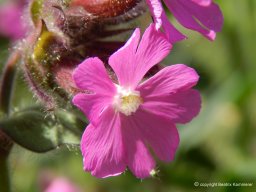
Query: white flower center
[127,101]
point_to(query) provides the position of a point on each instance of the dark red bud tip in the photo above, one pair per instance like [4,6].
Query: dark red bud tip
[106,8]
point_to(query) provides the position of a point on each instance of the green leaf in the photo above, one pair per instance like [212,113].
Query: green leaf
[39,132]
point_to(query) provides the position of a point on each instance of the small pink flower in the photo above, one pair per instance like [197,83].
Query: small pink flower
[203,16]
[62,185]
[11,24]
[128,116]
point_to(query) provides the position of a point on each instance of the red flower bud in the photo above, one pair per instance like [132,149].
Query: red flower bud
[106,8]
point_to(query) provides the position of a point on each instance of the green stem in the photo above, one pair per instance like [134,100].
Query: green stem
[7,81]
[4,174]
[6,87]
[5,147]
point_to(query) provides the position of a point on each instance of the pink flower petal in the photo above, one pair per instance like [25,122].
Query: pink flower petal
[122,61]
[188,12]
[180,107]
[153,48]
[156,9]
[160,133]
[169,80]
[91,75]
[11,24]
[172,33]
[203,16]
[92,105]
[161,20]
[131,65]
[208,14]
[139,160]
[102,146]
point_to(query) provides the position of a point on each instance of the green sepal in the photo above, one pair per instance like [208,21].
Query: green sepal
[35,10]
[39,60]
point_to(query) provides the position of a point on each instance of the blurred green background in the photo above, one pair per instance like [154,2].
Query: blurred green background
[218,146]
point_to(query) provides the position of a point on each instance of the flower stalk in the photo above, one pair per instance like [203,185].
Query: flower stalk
[4,176]
[6,87]
[5,147]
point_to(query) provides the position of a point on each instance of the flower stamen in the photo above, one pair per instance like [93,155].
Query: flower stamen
[127,101]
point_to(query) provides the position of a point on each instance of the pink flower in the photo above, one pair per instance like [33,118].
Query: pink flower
[128,116]
[62,185]
[11,24]
[203,16]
